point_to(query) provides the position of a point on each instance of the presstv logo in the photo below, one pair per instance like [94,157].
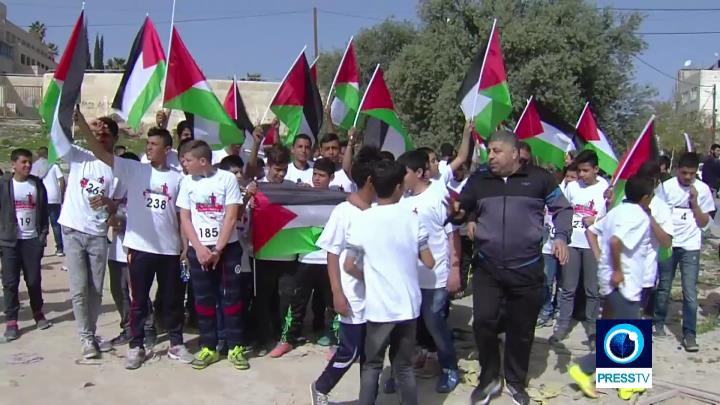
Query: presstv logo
[623,354]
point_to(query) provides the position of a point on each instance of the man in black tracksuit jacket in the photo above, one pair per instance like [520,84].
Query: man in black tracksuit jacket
[507,201]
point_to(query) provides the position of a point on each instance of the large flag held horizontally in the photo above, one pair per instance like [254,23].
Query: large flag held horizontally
[596,140]
[293,218]
[549,137]
[484,94]
[63,92]
[345,104]
[186,89]
[382,124]
[297,103]
[141,83]
[644,149]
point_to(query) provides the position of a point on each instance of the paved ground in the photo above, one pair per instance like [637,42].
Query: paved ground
[42,366]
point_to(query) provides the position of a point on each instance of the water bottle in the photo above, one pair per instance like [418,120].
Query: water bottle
[184,271]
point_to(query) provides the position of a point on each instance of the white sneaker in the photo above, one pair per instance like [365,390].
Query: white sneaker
[181,354]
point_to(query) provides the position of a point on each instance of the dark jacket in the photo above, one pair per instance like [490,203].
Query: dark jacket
[8,219]
[510,214]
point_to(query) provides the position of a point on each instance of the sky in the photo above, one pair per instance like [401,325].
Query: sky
[266,36]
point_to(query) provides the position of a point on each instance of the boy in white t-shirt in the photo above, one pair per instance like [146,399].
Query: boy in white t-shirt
[209,200]
[392,290]
[690,201]
[23,231]
[619,240]
[587,196]
[348,292]
[300,170]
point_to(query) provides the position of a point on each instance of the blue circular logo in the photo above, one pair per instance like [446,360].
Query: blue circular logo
[623,343]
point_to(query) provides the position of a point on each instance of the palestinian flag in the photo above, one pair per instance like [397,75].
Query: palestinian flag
[186,89]
[596,140]
[345,104]
[644,149]
[313,71]
[297,102]
[549,137]
[141,83]
[688,142]
[235,108]
[63,91]
[292,218]
[382,124]
[484,94]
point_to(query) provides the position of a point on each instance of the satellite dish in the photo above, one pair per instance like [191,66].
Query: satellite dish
[717,54]
[687,63]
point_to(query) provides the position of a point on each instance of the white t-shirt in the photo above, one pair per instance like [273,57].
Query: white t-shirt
[52,184]
[40,167]
[629,223]
[152,221]
[431,210]
[446,172]
[663,216]
[88,177]
[294,174]
[392,288]
[333,240]
[25,196]
[549,233]
[454,188]
[343,182]
[172,160]
[586,201]
[218,155]
[206,198]
[117,252]
[687,234]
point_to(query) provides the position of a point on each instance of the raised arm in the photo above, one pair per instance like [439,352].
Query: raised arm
[251,165]
[464,151]
[347,157]
[93,144]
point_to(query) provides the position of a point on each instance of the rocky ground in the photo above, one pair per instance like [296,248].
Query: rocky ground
[43,366]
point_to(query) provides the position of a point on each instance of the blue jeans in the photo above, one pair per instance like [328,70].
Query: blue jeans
[552,275]
[689,261]
[54,213]
[432,313]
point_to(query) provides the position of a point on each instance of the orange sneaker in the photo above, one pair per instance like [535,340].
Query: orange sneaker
[280,350]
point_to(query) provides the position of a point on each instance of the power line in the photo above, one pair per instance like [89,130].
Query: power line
[668,75]
[682,10]
[362,17]
[679,33]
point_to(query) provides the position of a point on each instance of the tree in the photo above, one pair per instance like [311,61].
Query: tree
[54,51]
[38,29]
[670,124]
[116,63]
[98,54]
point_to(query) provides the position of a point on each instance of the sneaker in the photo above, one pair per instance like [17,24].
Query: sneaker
[690,344]
[42,323]
[59,253]
[237,357]
[557,337]
[626,394]
[63,268]
[120,340]
[262,351]
[181,354]
[482,396]
[659,331]
[135,358]
[543,322]
[12,332]
[389,386]
[90,350]
[585,382]
[324,341]
[204,358]
[447,382]
[518,394]
[103,345]
[280,350]
[318,398]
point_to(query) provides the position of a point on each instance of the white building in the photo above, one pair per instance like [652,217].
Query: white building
[21,51]
[695,91]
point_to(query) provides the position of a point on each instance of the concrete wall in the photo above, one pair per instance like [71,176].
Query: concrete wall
[20,96]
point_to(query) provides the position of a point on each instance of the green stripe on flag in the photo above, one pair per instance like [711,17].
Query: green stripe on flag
[605,162]
[546,153]
[291,116]
[290,241]
[146,97]
[350,96]
[498,110]
[206,105]
[49,104]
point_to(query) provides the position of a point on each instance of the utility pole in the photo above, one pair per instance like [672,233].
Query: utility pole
[315,36]
[714,112]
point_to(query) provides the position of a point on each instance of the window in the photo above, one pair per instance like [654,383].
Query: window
[693,94]
[22,59]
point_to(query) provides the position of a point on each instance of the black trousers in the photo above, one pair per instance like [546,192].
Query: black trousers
[400,337]
[518,295]
[23,259]
[351,347]
[466,255]
[309,279]
[228,278]
[275,286]
[143,268]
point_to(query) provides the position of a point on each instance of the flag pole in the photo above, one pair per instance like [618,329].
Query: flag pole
[582,114]
[366,92]
[487,50]
[672,157]
[281,83]
[630,153]
[167,68]
[332,85]
[523,114]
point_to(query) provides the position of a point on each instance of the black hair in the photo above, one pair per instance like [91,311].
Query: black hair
[428,151]
[199,149]
[650,170]
[231,161]
[714,146]
[447,149]
[587,156]
[638,187]
[131,156]
[689,160]
[118,147]
[387,176]
[664,160]
[278,155]
[183,125]
[363,165]
[387,155]
[343,142]
[572,167]
[325,165]
[182,143]
[522,145]
[260,162]
[302,136]
[163,133]
[330,137]
[415,160]
[111,124]
[17,153]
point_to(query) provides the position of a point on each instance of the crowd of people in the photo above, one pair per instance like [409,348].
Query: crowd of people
[416,231]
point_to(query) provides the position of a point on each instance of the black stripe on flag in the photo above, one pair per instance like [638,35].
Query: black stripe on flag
[375,132]
[135,52]
[291,194]
[312,108]
[472,77]
[243,120]
[550,117]
[70,93]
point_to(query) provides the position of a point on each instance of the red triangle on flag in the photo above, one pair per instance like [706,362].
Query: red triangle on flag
[230,102]
[152,49]
[530,124]
[292,89]
[640,153]
[493,71]
[348,70]
[63,67]
[183,72]
[377,95]
[586,126]
[273,218]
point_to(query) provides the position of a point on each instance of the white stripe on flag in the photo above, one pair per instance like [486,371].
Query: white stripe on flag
[338,111]
[471,98]
[394,142]
[556,138]
[205,130]
[137,82]
[309,215]
[688,143]
[59,139]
